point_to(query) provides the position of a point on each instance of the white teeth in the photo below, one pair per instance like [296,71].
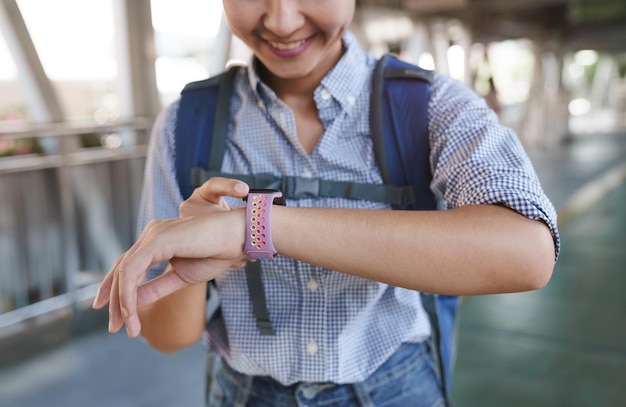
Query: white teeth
[286,46]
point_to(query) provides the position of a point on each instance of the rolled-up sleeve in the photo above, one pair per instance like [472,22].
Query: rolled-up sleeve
[475,160]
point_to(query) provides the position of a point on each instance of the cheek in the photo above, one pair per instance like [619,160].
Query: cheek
[331,31]
[242,16]
[334,19]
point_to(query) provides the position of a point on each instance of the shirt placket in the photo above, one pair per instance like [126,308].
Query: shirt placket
[314,331]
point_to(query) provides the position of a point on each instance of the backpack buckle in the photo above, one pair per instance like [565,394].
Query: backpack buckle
[300,187]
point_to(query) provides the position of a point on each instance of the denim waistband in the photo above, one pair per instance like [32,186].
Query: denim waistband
[409,375]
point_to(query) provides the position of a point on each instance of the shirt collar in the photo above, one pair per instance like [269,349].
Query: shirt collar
[346,80]
[253,77]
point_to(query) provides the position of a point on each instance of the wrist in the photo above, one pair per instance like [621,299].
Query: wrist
[239,215]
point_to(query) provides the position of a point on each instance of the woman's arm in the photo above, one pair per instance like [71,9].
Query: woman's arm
[175,321]
[174,318]
[470,250]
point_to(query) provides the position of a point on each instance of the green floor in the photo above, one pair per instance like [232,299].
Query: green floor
[564,345]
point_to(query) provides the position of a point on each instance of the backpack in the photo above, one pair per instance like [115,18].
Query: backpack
[399,126]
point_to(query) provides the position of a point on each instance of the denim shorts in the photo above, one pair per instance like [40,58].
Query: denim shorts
[407,378]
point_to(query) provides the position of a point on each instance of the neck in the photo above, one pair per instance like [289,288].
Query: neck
[287,88]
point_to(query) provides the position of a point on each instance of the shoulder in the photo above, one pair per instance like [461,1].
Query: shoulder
[162,134]
[446,88]
[224,77]
[450,99]
[166,121]
[237,79]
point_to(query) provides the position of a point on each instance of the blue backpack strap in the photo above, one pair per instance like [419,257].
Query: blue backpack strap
[201,132]
[399,124]
[294,187]
[200,139]
[202,123]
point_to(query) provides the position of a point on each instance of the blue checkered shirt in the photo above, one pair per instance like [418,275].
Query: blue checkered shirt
[333,327]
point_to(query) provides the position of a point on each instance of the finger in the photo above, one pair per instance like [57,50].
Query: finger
[212,192]
[175,279]
[116,312]
[158,288]
[183,273]
[164,240]
[104,290]
[128,306]
[115,318]
[216,188]
[132,271]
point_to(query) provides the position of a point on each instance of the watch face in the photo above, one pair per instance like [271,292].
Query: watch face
[278,200]
[263,191]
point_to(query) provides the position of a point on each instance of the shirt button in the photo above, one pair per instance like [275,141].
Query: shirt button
[350,100]
[312,348]
[325,94]
[261,105]
[312,285]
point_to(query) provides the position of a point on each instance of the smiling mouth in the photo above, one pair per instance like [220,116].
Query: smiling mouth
[287,46]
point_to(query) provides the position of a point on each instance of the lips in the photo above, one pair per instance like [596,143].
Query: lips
[289,49]
[287,46]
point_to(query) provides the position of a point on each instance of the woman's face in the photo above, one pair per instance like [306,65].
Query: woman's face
[292,38]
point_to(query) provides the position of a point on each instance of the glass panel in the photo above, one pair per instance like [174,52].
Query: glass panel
[13,108]
[185,31]
[75,43]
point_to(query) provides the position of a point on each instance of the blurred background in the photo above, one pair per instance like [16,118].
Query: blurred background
[82,81]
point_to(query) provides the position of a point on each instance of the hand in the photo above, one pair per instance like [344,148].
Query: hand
[217,236]
[209,197]
[201,246]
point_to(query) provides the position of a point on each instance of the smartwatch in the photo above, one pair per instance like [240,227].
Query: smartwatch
[259,202]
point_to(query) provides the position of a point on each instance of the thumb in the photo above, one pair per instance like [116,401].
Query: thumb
[155,289]
[215,188]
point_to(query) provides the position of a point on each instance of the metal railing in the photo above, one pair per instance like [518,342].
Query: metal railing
[66,216]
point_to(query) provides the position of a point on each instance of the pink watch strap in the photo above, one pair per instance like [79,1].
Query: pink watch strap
[259,243]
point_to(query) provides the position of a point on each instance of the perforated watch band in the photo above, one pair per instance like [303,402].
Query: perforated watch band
[258,244]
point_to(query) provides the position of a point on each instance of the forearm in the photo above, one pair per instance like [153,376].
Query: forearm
[465,251]
[175,321]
